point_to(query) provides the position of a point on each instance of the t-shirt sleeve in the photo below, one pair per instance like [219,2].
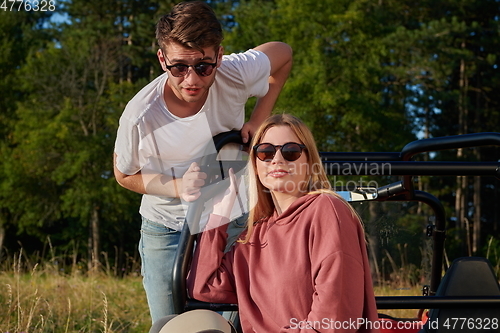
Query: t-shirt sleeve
[126,147]
[253,68]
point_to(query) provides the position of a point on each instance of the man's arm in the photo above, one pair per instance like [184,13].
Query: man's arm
[187,187]
[280,57]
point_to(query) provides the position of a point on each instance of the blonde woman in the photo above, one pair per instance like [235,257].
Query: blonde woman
[301,265]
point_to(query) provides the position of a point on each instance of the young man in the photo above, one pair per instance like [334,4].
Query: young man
[165,128]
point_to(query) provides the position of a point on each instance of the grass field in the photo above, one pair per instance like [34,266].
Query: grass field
[46,300]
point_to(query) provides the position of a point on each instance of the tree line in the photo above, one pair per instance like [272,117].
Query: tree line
[367,76]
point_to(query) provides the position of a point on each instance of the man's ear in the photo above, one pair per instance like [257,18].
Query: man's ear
[161,59]
[220,54]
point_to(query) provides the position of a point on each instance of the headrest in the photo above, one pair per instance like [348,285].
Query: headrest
[197,321]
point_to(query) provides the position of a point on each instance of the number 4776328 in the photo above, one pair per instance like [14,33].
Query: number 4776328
[471,323]
[28,5]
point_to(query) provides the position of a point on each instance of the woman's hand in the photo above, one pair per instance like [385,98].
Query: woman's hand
[223,203]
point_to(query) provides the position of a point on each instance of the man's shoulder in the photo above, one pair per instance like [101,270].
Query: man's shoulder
[248,59]
[150,90]
[145,98]
[245,72]
[246,55]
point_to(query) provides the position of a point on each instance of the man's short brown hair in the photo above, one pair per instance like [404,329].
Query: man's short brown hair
[192,24]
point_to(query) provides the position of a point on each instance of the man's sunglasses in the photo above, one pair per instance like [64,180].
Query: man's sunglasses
[201,68]
[290,151]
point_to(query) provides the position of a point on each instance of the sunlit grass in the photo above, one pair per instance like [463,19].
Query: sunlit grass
[47,301]
[47,298]
[399,291]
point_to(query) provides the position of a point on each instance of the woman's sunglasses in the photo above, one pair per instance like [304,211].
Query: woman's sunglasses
[201,68]
[290,151]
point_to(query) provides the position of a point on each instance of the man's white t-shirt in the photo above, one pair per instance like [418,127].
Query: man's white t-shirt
[152,140]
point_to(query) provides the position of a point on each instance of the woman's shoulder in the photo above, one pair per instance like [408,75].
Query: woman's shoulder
[328,204]
[327,197]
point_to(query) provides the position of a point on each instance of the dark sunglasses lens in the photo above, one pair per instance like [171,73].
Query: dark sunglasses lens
[203,69]
[265,152]
[291,151]
[179,70]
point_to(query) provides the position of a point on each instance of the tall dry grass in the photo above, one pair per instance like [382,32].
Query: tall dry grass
[45,296]
[45,299]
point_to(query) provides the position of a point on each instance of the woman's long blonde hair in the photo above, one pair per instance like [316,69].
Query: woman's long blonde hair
[260,199]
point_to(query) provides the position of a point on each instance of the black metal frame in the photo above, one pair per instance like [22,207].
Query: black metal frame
[365,164]
[215,171]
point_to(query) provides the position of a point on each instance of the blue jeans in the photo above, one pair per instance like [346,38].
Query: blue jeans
[157,248]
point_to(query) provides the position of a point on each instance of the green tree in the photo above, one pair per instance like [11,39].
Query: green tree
[339,82]
[20,36]
[455,62]
[76,88]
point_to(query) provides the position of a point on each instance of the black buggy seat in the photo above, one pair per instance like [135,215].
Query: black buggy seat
[467,277]
[437,295]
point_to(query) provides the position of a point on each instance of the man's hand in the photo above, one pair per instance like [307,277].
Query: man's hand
[192,181]
[248,130]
